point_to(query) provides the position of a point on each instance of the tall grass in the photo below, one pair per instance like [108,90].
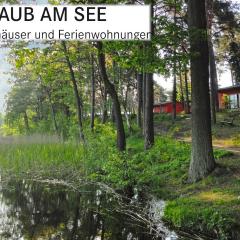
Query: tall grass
[48,156]
[166,162]
[39,157]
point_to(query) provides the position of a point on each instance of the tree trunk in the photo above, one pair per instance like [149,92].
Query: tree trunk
[40,107]
[144,102]
[26,122]
[174,95]
[213,92]
[125,108]
[181,88]
[148,123]
[238,101]
[115,82]
[53,112]
[104,113]
[75,88]
[202,161]
[187,105]
[121,141]
[213,68]
[112,114]
[149,97]
[213,75]
[92,95]
[213,79]
[140,98]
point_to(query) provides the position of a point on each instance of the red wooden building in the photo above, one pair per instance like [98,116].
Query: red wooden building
[167,107]
[229,97]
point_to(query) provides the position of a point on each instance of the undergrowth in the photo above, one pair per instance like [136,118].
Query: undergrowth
[161,171]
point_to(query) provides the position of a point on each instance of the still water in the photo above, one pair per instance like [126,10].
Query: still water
[42,211]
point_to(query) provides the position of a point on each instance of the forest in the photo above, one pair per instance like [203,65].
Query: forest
[87,122]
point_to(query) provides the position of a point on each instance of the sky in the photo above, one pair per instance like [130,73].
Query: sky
[224,77]
[5,67]
[4,85]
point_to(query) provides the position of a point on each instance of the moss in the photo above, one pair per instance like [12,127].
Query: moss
[200,216]
[210,206]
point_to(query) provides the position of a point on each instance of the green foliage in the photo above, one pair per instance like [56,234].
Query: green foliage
[139,168]
[162,170]
[6,130]
[235,59]
[166,162]
[236,140]
[42,101]
[218,154]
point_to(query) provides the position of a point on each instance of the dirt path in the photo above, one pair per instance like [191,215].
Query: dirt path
[229,149]
[234,150]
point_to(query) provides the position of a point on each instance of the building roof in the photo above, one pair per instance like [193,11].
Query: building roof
[230,90]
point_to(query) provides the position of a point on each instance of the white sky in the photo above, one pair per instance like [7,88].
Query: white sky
[5,67]
[4,85]
[224,80]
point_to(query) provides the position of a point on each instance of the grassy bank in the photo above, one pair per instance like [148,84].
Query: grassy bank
[210,206]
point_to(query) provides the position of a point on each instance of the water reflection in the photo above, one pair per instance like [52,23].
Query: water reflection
[31,210]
